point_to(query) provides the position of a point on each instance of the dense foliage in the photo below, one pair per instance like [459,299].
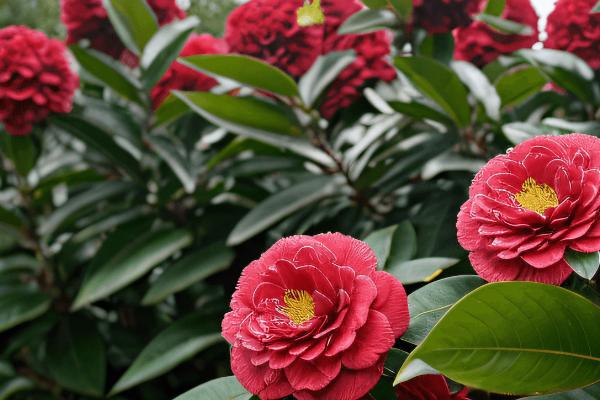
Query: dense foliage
[132,203]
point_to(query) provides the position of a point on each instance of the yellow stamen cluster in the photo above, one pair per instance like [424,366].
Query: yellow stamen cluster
[310,14]
[536,197]
[299,306]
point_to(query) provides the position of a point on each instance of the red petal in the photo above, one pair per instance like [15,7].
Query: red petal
[372,340]
[312,375]
[350,252]
[546,257]
[391,301]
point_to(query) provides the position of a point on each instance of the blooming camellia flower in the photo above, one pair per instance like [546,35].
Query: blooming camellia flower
[87,19]
[269,30]
[35,78]
[313,318]
[480,44]
[428,387]
[528,206]
[441,16]
[574,28]
[180,77]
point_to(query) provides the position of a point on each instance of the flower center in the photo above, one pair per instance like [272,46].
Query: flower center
[299,306]
[536,197]
[310,14]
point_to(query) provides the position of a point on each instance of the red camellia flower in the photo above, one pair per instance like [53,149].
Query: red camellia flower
[180,77]
[268,29]
[480,44]
[574,28]
[428,387]
[313,318]
[441,16]
[35,78]
[527,207]
[87,19]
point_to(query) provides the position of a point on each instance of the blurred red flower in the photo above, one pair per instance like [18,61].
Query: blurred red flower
[528,206]
[480,44]
[87,19]
[35,78]
[267,29]
[441,16]
[572,27]
[180,77]
[313,318]
[428,387]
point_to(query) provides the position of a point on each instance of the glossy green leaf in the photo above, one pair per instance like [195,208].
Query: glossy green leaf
[404,244]
[480,87]
[169,110]
[168,151]
[17,262]
[421,269]
[134,259]
[368,20]
[517,132]
[22,152]
[188,270]
[76,357]
[438,46]
[281,205]
[494,7]
[134,22]
[322,73]
[227,388]
[505,25]
[403,8]
[515,337]
[380,242]
[429,303]
[439,83]
[164,48]
[420,111]
[584,264]
[589,127]
[516,86]
[245,70]
[176,344]
[21,305]
[588,393]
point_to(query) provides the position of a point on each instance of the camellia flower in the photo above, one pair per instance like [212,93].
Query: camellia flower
[313,318]
[428,387]
[180,77]
[574,28]
[527,207]
[269,30]
[480,44]
[87,19]
[441,16]
[35,78]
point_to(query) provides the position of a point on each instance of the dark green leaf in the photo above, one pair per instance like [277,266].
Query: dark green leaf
[494,7]
[505,25]
[403,7]
[515,337]
[18,262]
[404,244]
[189,270]
[245,70]
[134,22]
[15,385]
[22,152]
[380,242]
[20,305]
[420,270]
[439,46]
[480,87]
[588,393]
[167,150]
[584,264]
[519,85]
[322,73]
[420,111]
[176,344]
[169,110]
[368,20]
[227,388]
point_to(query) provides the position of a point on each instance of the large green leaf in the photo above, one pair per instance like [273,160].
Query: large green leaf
[380,242]
[176,344]
[281,205]
[519,85]
[368,20]
[189,270]
[22,152]
[76,357]
[515,337]
[439,83]
[584,264]
[394,244]
[438,46]
[322,73]
[130,262]
[134,22]
[227,388]
[421,269]
[169,110]
[246,70]
[429,303]
[505,25]
[21,305]
[480,87]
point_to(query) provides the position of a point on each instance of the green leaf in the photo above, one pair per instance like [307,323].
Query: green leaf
[596,8]
[588,393]
[494,7]
[166,149]
[169,110]
[515,337]
[420,111]
[517,132]
[22,152]
[322,73]
[132,261]
[404,244]
[254,118]
[505,25]
[439,46]
[176,344]
[368,20]
[246,70]
[227,388]
[21,305]
[134,22]
[403,7]
[480,87]
[428,304]
[439,83]
[589,127]
[420,270]
[18,262]
[164,48]
[584,264]
[15,385]
[380,242]
[281,205]
[189,270]
[109,72]
[518,85]
[76,357]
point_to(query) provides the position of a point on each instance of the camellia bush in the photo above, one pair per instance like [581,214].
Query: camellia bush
[337,200]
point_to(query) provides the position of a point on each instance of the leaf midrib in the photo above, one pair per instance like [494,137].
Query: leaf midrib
[518,349]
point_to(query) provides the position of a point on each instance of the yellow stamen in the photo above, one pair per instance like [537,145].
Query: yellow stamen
[310,14]
[433,276]
[299,306]
[536,197]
